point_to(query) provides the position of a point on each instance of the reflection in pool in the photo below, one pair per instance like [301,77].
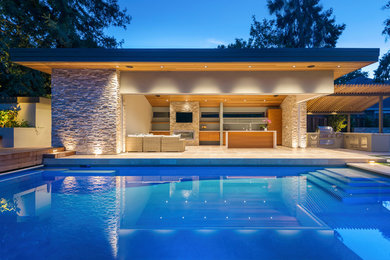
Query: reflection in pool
[172,213]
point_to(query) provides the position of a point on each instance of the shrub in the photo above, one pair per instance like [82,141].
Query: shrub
[338,122]
[8,118]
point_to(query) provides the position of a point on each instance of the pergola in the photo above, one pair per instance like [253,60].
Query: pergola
[351,99]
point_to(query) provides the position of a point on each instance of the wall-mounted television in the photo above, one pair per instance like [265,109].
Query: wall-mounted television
[183,117]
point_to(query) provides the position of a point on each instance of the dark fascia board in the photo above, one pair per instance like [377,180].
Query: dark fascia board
[197,55]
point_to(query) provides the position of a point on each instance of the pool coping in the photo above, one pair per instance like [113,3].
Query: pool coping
[205,161]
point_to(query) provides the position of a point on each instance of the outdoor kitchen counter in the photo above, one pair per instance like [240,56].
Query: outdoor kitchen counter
[251,139]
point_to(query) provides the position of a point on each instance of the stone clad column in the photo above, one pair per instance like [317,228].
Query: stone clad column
[193,107]
[293,122]
[86,110]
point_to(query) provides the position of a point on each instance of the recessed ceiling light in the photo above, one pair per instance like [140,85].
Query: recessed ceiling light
[294,66]
[205,100]
[249,66]
[205,66]
[244,100]
[166,100]
[162,66]
[225,99]
[338,66]
[265,100]
[116,66]
[130,67]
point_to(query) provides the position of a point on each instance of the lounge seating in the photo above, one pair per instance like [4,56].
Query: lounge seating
[155,143]
[134,143]
[172,143]
[152,143]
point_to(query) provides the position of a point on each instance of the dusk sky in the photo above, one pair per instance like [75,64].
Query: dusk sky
[207,23]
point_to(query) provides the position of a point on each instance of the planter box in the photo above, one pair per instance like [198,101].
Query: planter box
[25,137]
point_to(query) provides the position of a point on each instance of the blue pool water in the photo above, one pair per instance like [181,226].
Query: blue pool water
[194,213]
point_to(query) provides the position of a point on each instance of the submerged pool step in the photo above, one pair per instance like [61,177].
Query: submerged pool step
[354,182]
[349,188]
[356,175]
[347,197]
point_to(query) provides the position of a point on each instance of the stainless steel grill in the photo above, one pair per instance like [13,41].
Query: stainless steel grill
[326,131]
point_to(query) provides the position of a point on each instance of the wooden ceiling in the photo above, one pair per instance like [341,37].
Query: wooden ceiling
[339,68]
[215,100]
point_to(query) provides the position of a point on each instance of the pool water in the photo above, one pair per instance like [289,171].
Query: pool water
[194,213]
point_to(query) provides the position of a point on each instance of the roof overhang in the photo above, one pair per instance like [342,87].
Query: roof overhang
[339,60]
[349,98]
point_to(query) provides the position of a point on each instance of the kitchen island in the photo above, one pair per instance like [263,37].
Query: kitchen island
[251,139]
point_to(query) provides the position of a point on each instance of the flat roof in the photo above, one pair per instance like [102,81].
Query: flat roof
[197,55]
[339,60]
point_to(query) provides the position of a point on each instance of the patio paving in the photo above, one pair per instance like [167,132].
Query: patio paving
[266,153]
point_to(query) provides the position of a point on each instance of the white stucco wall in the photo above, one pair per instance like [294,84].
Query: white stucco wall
[227,82]
[138,114]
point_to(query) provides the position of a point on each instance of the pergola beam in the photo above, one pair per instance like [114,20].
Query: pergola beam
[380,115]
[349,123]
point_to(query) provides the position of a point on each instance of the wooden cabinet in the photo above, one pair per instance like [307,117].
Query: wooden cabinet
[210,136]
[251,139]
[275,115]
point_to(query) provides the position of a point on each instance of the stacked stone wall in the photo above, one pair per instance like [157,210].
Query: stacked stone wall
[293,122]
[86,110]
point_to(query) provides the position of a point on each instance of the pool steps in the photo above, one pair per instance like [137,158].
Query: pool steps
[351,186]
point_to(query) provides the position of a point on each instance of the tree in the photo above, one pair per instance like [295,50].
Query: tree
[352,75]
[382,73]
[297,24]
[262,35]
[337,122]
[51,24]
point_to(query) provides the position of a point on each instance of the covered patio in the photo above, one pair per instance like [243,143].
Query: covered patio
[349,99]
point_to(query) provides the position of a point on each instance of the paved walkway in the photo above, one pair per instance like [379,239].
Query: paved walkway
[221,156]
[266,153]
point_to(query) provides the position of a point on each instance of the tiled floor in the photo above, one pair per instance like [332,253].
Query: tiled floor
[266,153]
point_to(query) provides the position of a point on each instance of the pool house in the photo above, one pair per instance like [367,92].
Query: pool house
[104,101]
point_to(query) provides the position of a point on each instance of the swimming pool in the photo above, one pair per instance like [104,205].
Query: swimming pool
[194,213]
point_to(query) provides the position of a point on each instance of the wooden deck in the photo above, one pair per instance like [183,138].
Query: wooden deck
[18,158]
